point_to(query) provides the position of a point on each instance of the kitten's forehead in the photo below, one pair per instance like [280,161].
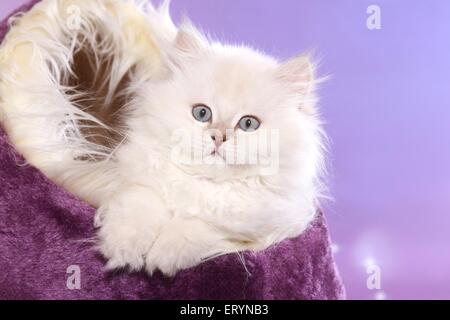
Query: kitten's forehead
[241,65]
[239,80]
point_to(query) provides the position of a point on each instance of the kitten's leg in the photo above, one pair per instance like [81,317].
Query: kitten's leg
[129,224]
[184,243]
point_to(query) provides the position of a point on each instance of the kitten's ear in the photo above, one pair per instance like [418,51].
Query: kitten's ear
[189,44]
[190,41]
[298,74]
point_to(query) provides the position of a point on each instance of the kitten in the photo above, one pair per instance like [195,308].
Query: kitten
[222,152]
[173,209]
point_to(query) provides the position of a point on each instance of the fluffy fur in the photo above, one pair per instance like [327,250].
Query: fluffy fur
[158,208]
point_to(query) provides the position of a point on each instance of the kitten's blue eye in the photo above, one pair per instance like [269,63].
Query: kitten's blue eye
[202,113]
[249,123]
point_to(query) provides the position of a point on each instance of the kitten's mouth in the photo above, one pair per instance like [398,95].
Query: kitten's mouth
[216,153]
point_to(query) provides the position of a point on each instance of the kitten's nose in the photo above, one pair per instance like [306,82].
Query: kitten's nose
[219,139]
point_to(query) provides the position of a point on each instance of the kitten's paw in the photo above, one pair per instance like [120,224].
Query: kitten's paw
[123,247]
[124,240]
[171,253]
[179,246]
[129,224]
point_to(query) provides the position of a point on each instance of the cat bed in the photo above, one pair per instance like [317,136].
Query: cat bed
[47,252]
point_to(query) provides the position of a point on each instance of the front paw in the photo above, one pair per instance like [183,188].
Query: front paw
[181,245]
[129,223]
[124,240]
[123,247]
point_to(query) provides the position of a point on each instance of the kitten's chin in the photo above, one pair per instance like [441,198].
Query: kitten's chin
[218,170]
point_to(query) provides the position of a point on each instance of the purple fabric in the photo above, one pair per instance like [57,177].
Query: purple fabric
[43,231]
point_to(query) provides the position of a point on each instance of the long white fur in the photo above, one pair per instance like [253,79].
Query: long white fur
[38,111]
[152,211]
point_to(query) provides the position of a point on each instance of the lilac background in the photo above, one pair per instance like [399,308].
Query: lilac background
[387,110]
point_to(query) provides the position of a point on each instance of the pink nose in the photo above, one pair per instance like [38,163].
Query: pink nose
[219,139]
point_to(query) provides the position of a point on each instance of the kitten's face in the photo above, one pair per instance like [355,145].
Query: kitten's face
[230,113]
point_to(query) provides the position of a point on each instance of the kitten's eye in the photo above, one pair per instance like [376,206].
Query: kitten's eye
[249,123]
[202,113]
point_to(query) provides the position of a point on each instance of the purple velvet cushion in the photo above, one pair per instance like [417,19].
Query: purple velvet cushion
[44,230]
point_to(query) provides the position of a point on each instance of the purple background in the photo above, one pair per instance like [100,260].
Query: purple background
[387,109]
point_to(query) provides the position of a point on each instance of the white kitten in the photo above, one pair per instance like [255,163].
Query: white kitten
[174,209]
[223,152]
